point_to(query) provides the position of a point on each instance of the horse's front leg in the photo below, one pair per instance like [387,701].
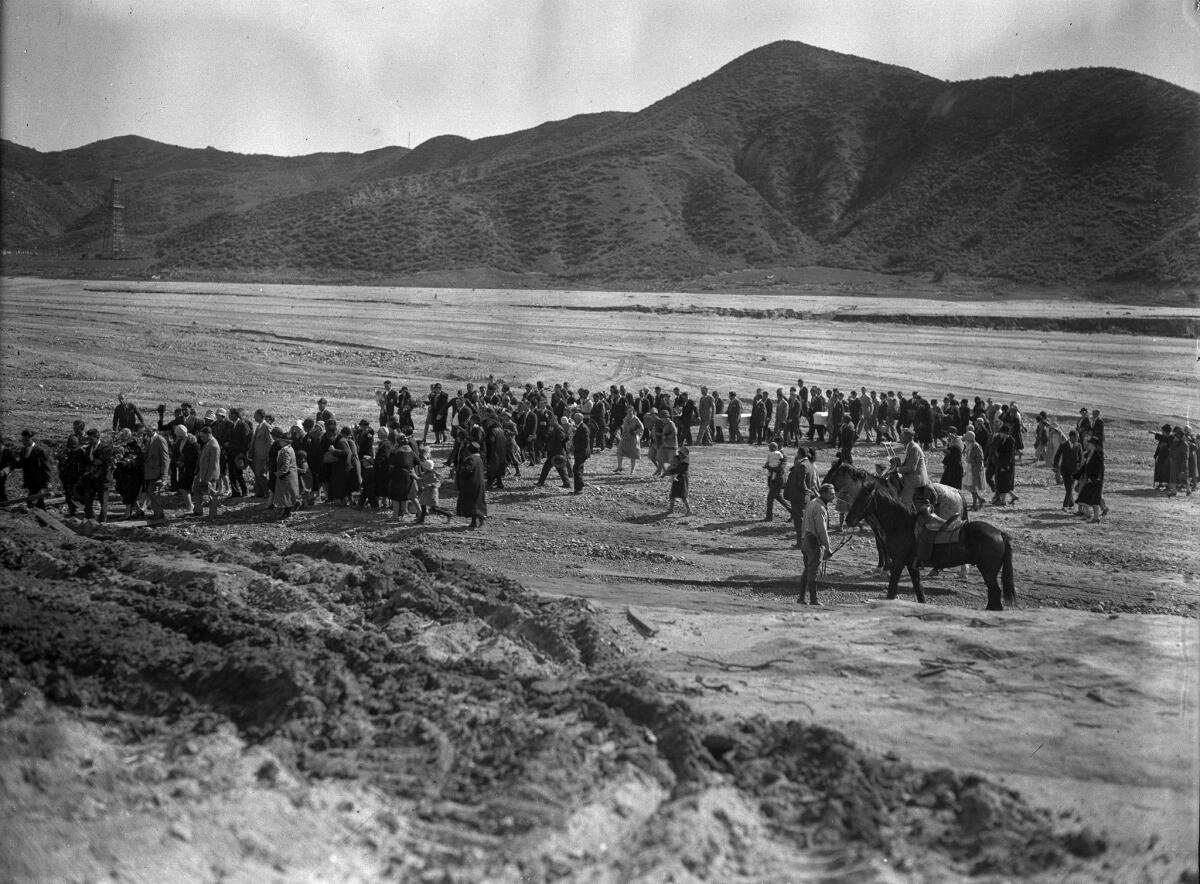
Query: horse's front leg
[880,549]
[915,573]
[894,580]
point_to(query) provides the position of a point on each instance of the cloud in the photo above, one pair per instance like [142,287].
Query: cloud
[281,76]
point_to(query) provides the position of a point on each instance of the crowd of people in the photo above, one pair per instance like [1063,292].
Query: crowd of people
[1176,464]
[487,432]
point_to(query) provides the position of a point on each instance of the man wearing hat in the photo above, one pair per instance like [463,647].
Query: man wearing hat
[71,466]
[471,479]
[706,408]
[733,414]
[190,419]
[1041,438]
[1067,461]
[126,415]
[323,413]
[206,485]
[1084,426]
[1178,451]
[96,461]
[687,417]
[800,488]
[238,455]
[222,431]
[911,467]
[555,448]
[814,541]
[31,458]
[581,444]
[156,471]
[1006,466]
[260,450]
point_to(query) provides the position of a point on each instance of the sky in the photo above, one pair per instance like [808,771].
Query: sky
[291,77]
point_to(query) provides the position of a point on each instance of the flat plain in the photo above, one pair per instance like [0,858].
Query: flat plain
[1083,698]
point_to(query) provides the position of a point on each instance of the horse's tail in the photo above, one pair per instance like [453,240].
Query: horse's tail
[1006,573]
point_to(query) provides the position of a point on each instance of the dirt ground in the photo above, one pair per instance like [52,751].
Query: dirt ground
[587,689]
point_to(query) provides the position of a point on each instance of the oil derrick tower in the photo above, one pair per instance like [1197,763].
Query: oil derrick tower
[114,226]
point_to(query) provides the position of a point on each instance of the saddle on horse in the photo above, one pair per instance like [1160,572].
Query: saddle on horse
[935,548]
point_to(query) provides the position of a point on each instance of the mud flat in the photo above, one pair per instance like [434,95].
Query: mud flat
[178,708]
[69,346]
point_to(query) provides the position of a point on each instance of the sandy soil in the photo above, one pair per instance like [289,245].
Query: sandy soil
[1083,699]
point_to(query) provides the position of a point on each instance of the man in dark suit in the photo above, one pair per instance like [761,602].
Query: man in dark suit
[35,468]
[126,415]
[581,443]
[733,414]
[687,417]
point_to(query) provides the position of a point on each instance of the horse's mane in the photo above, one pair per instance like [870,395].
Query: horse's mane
[856,472]
[883,490]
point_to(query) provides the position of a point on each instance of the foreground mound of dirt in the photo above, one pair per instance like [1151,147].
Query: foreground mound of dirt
[416,716]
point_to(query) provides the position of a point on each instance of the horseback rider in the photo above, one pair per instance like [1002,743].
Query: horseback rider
[911,467]
[928,522]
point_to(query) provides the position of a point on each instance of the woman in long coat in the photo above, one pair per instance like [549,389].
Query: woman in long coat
[1016,428]
[1178,479]
[974,469]
[1090,479]
[345,476]
[127,475]
[375,483]
[497,453]
[1006,466]
[1162,457]
[471,479]
[402,482]
[668,441]
[630,445]
[952,463]
[287,479]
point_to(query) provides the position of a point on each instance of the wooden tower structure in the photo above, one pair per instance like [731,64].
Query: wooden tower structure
[114,225]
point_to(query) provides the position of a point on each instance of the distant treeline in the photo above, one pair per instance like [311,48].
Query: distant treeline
[1152,326]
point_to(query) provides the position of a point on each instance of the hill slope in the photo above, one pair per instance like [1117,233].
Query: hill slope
[57,198]
[787,155]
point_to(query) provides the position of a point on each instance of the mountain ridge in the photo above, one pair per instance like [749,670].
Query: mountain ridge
[787,155]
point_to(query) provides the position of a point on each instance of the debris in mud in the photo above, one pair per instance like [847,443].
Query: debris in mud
[502,735]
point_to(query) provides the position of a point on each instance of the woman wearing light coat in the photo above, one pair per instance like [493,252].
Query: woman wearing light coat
[973,455]
[668,441]
[630,444]
[287,479]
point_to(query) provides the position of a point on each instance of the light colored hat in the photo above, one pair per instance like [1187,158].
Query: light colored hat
[210,415]
[180,431]
[221,412]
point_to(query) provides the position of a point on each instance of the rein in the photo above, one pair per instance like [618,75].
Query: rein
[845,540]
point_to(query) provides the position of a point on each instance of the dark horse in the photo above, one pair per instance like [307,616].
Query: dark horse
[985,546]
[847,480]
